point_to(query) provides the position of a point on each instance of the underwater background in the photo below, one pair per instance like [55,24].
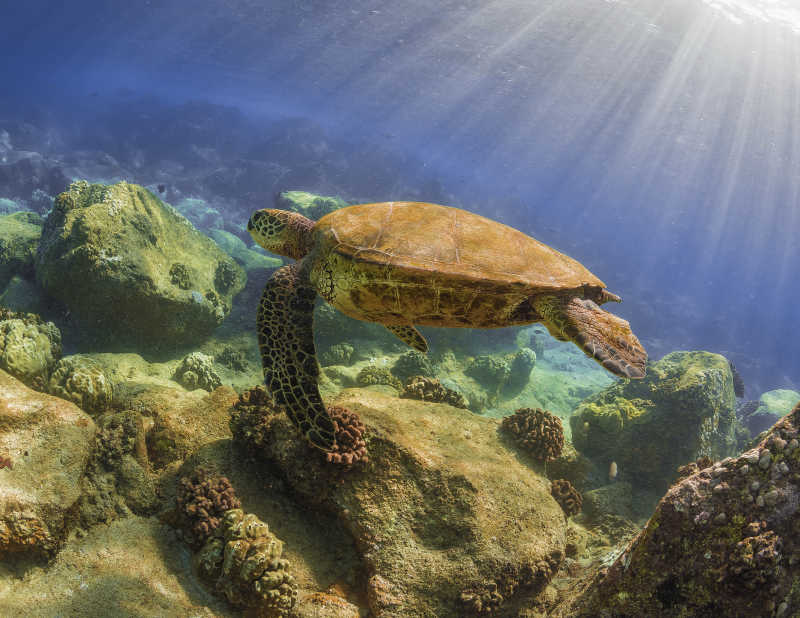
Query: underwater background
[657,143]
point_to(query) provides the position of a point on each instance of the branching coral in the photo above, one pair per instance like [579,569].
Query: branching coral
[567,496]
[243,560]
[350,446]
[377,375]
[430,389]
[537,431]
[202,501]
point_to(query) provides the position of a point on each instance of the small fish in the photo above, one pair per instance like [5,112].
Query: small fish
[162,188]
[612,471]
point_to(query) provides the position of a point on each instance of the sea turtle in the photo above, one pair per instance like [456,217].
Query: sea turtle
[403,264]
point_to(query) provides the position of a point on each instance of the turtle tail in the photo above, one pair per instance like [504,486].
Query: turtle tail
[602,336]
[286,343]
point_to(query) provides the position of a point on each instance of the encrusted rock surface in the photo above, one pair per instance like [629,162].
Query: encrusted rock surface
[722,542]
[197,371]
[83,381]
[47,443]
[19,235]
[109,253]
[447,521]
[430,389]
[29,347]
[684,408]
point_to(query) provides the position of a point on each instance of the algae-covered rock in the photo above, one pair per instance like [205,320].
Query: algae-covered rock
[772,405]
[238,250]
[110,254]
[23,295]
[309,204]
[684,408]
[19,236]
[45,442]
[201,215]
[82,381]
[491,373]
[445,518]
[722,542]
[520,369]
[413,363]
[29,347]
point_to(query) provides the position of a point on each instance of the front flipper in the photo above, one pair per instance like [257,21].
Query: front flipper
[409,335]
[286,343]
[600,334]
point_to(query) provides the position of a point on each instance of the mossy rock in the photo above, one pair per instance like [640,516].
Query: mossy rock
[19,236]
[110,254]
[238,250]
[29,347]
[684,408]
[309,204]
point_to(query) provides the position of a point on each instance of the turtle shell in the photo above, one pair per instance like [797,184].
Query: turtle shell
[371,257]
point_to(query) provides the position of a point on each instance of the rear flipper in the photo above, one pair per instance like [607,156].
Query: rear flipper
[286,343]
[600,334]
[409,335]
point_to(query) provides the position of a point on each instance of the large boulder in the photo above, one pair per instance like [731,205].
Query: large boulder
[722,542]
[447,521]
[19,235]
[45,444]
[132,269]
[684,408]
[772,405]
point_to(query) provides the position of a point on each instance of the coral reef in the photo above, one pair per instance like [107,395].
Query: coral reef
[337,354]
[412,363]
[249,259]
[202,216]
[722,542]
[110,253]
[197,371]
[537,431]
[82,381]
[243,561]
[202,501]
[19,236]
[520,370]
[683,408]
[29,347]
[350,446]
[377,375]
[233,359]
[430,389]
[567,496]
[491,373]
[227,276]
[693,467]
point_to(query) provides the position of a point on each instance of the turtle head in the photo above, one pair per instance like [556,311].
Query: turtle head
[281,231]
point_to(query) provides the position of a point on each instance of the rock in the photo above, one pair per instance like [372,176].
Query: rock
[46,443]
[772,405]
[475,523]
[23,295]
[323,605]
[712,553]
[133,566]
[132,269]
[82,381]
[338,354]
[247,258]
[202,216]
[412,363]
[182,421]
[308,204]
[650,427]
[491,373]
[19,236]
[29,347]
[614,499]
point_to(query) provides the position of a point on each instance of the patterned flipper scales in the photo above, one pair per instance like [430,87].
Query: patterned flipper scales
[286,343]
[600,334]
[410,336]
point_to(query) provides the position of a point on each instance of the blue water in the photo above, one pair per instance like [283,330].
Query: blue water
[657,142]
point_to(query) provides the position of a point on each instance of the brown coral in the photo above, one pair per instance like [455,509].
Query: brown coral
[537,431]
[202,500]
[370,375]
[430,389]
[567,496]
[350,446]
